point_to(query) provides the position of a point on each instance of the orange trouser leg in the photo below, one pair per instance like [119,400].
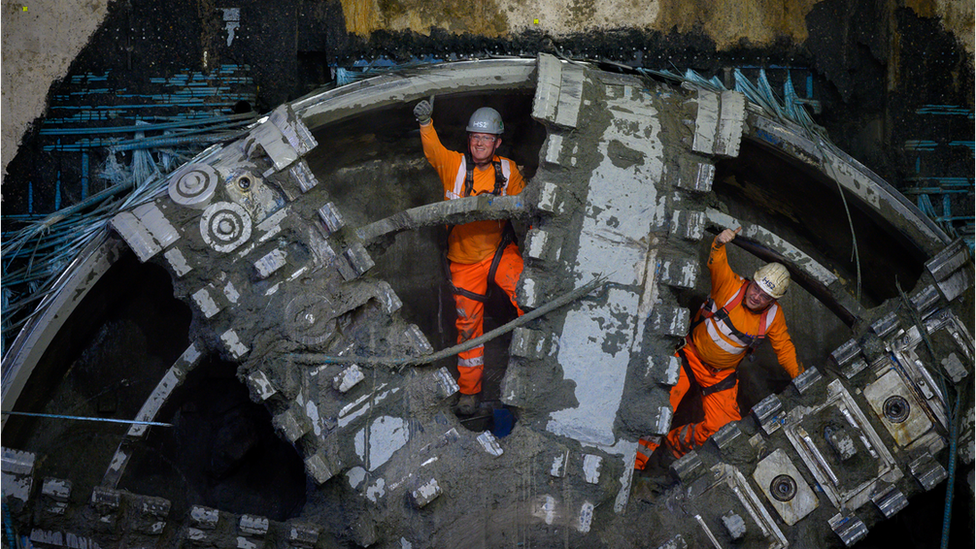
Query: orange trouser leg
[508,273]
[646,447]
[471,313]
[720,408]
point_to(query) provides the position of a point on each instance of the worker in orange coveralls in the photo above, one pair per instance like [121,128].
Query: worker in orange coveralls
[737,316]
[480,251]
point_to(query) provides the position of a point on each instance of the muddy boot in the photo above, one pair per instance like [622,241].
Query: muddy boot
[659,463]
[656,477]
[649,488]
[467,405]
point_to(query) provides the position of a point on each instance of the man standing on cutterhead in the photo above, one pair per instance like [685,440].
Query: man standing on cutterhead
[738,315]
[481,251]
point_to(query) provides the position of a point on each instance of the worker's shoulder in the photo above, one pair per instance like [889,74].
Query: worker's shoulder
[512,163]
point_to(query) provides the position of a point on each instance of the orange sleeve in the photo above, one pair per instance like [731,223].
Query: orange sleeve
[725,283]
[724,280]
[445,162]
[779,338]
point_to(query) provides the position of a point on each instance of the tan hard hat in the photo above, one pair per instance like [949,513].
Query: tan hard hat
[773,278]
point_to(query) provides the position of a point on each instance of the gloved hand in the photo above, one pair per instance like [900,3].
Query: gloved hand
[422,112]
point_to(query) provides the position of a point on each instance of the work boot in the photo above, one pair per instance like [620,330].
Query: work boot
[649,488]
[467,405]
[656,477]
[659,464]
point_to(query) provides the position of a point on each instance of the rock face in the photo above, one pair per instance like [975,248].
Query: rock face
[46,38]
[283,280]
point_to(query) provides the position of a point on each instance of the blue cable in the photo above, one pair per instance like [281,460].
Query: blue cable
[950,486]
[9,526]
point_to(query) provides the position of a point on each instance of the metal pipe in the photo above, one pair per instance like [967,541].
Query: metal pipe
[820,459]
[560,301]
[708,532]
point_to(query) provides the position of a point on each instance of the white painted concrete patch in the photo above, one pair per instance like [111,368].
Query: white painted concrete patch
[386,435]
[598,373]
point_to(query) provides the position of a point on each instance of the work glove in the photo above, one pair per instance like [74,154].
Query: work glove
[422,112]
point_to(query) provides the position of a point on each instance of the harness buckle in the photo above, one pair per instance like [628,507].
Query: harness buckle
[682,344]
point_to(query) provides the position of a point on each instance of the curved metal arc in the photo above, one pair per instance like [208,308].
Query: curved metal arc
[79,277]
[868,188]
[813,277]
[492,74]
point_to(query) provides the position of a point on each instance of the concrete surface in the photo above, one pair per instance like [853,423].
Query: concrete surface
[40,39]
[305,403]
[730,23]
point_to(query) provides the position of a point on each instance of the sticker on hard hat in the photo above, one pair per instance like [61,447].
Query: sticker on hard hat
[480,124]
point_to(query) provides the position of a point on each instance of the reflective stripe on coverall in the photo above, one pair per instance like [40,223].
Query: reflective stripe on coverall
[720,408]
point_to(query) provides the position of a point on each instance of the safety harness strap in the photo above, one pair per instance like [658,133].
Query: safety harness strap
[507,235]
[708,311]
[500,180]
[724,385]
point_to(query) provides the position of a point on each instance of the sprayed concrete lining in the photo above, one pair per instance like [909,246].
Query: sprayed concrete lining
[470,76]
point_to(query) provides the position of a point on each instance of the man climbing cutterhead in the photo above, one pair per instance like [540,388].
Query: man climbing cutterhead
[480,252]
[738,315]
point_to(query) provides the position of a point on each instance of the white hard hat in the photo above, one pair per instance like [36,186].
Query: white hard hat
[772,278]
[486,120]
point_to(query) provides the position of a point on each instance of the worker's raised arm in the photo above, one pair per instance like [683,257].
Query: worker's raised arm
[444,161]
[722,275]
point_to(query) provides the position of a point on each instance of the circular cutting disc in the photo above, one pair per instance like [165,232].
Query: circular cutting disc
[225,226]
[194,185]
[310,319]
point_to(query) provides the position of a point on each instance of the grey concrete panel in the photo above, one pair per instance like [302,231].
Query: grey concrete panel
[547,87]
[570,96]
[785,489]
[728,134]
[136,235]
[706,121]
[594,334]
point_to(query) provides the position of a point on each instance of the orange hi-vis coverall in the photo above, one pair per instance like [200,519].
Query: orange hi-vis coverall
[712,352]
[471,248]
